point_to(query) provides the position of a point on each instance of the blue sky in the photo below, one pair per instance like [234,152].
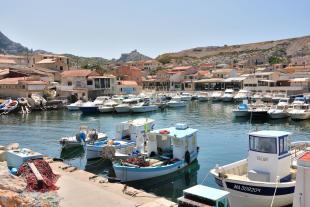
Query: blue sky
[109,28]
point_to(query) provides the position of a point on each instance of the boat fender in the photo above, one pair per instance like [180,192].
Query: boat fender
[164,131]
[187,157]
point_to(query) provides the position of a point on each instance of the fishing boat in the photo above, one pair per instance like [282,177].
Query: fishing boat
[85,135]
[216,95]
[242,110]
[242,95]
[38,101]
[267,177]
[176,102]
[75,106]
[167,150]
[280,111]
[108,106]
[228,95]
[300,112]
[144,107]
[9,106]
[127,135]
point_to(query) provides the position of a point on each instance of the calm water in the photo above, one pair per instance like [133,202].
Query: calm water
[222,139]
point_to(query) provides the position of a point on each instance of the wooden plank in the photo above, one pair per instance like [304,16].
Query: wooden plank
[35,171]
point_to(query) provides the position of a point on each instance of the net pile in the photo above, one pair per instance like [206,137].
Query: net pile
[49,178]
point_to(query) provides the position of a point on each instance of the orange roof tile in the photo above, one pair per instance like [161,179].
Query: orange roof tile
[78,73]
[11,81]
[129,83]
[48,60]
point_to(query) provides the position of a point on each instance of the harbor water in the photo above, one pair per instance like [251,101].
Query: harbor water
[222,138]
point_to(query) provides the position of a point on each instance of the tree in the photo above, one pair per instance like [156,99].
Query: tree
[274,60]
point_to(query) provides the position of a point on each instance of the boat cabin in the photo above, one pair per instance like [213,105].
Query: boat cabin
[200,195]
[269,156]
[180,140]
[135,130]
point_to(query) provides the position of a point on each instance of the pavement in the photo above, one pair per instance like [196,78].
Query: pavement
[79,188]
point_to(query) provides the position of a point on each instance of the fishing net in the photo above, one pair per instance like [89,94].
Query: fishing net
[49,178]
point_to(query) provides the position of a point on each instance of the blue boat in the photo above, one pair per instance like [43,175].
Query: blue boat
[89,107]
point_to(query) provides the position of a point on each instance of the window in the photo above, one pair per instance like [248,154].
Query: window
[69,83]
[89,82]
[263,144]
[61,68]
[97,83]
[283,145]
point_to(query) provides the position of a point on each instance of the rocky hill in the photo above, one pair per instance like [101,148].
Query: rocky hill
[7,46]
[262,52]
[133,56]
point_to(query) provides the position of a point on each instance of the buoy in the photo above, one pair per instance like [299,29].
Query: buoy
[164,131]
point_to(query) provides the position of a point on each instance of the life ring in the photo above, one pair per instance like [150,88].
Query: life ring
[164,131]
[187,157]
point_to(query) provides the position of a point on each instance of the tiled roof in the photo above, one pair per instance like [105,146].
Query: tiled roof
[14,81]
[79,73]
[129,83]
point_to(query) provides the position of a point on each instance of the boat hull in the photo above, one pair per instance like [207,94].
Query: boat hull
[300,116]
[106,109]
[144,109]
[73,108]
[89,109]
[227,98]
[126,173]
[240,113]
[176,104]
[250,194]
[278,115]
[122,109]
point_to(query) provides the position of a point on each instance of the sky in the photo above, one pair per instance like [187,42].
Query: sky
[108,28]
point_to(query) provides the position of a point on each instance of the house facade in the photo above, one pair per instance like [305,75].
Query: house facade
[51,61]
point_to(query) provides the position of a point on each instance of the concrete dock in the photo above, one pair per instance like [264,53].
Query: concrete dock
[80,188]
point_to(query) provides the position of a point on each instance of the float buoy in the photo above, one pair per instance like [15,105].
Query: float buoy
[164,131]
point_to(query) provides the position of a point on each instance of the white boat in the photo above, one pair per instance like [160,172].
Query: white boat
[280,111]
[39,101]
[203,96]
[176,102]
[267,97]
[257,96]
[100,100]
[125,107]
[242,110]
[8,106]
[168,150]
[108,106]
[127,135]
[84,136]
[266,177]
[228,95]
[276,97]
[242,95]
[75,106]
[144,107]
[185,96]
[300,112]
[258,109]
[88,107]
[216,95]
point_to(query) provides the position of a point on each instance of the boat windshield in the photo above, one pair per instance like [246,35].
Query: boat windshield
[263,144]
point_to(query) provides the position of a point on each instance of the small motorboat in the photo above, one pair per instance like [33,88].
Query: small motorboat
[242,110]
[276,97]
[88,107]
[185,96]
[267,174]
[9,106]
[123,108]
[300,112]
[203,96]
[280,111]
[242,95]
[75,106]
[258,110]
[84,136]
[267,97]
[217,96]
[257,97]
[167,150]
[108,106]
[144,107]
[228,95]
[39,101]
[127,134]
[176,102]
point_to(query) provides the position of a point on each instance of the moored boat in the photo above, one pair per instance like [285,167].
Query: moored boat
[300,112]
[176,102]
[88,107]
[280,111]
[242,95]
[216,96]
[144,107]
[242,110]
[75,106]
[168,150]
[228,95]
[266,176]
